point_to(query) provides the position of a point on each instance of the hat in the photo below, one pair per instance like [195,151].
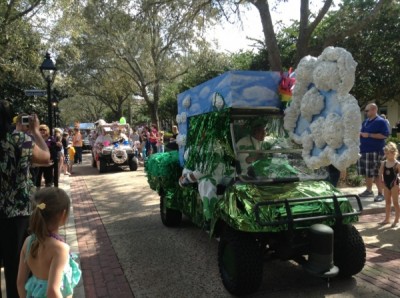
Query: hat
[257,122]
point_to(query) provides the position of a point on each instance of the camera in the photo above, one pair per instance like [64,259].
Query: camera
[25,120]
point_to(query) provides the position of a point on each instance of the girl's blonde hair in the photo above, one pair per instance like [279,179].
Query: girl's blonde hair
[49,205]
[391,147]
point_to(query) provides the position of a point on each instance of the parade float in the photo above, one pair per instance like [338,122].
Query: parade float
[112,148]
[251,169]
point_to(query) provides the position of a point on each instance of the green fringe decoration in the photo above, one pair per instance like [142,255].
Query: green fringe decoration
[163,170]
[205,133]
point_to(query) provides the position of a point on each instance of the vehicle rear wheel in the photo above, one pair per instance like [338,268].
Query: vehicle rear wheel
[169,217]
[133,163]
[240,262]
[349,251]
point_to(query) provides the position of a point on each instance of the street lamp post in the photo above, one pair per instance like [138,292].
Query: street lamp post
[54,103]
[48,71]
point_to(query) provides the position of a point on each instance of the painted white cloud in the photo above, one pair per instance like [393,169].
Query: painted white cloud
[258,92]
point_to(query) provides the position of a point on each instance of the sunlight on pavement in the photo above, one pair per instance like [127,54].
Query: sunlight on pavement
[150,203]
[370,239]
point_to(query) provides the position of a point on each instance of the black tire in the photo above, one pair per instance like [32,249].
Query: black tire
[133,163]
[349,251]
[169,217]
[240,262]
[101,165]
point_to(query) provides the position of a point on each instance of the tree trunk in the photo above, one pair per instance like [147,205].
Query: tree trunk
[306,29]
[274,57]
[154,114]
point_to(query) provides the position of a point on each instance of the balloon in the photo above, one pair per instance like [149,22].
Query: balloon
[122,120]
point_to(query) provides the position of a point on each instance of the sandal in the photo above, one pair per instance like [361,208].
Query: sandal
[384,223]
[394,224]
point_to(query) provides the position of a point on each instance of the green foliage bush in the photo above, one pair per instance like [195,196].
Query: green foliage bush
[352,177]
[395,140]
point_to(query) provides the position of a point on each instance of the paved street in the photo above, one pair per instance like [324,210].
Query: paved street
[125,251]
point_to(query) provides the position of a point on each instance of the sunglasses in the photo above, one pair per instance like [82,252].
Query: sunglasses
[42,129]
[366,111]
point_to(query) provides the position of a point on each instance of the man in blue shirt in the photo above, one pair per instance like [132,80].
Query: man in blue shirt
[374,131]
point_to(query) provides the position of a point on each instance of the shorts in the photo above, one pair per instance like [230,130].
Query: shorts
[368,164]
[66,158]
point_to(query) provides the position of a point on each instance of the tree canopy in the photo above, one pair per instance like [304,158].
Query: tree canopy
[108,51]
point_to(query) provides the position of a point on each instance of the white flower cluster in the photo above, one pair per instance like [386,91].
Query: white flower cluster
[331,137]
[181,140]
[218,101]
[186,102]
[181,118]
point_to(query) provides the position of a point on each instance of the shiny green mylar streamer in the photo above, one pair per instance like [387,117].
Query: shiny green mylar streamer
[237,206]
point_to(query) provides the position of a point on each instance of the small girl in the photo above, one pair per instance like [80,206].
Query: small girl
[66,153]
[160,142]
[388,174]
[46,268]
[60,151]
[71,154]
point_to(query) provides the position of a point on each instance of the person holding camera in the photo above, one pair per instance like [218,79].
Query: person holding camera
[17,152]
[47,170]
[22,123]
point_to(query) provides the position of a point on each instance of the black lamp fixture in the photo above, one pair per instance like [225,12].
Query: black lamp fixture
[48,71]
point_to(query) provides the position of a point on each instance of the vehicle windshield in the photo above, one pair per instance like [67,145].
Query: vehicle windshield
[266,154]
[113,134]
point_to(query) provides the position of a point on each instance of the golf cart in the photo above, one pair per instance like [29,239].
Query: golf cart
[256,194]
[112,147]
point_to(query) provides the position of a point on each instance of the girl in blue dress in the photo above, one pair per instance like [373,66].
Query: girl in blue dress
[46,267]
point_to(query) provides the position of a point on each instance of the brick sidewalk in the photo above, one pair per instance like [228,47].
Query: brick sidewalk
[101,271]
[103,275]
[382,267]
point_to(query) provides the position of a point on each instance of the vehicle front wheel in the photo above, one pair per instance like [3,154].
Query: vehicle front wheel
[101,165]
[240,262]
[133,163]
[169,217]
[349,251]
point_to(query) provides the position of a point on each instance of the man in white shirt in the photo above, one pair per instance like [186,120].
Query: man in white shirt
[254,141]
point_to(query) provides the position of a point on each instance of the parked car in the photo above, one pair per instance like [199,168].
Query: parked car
[87,146]
[86,129]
